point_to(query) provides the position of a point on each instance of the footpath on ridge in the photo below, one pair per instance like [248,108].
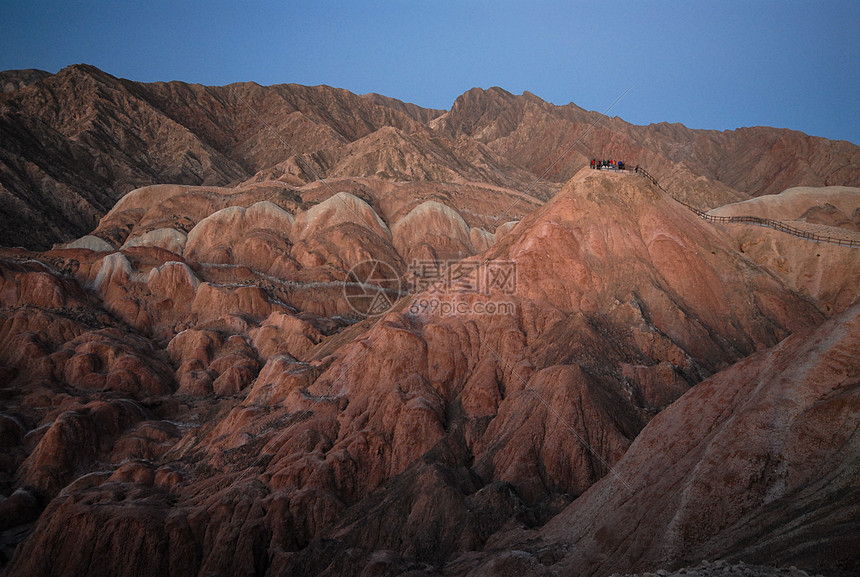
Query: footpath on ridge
[774,224]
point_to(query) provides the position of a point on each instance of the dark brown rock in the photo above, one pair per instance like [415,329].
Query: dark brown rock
[686,490]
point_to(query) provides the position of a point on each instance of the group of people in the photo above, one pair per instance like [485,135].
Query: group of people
[608,164]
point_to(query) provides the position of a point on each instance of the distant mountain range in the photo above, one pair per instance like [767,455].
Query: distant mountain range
[73,143]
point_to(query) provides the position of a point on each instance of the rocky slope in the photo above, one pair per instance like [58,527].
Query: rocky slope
[187,376]
[75,142]
[683,491]
[297,331]
[755,161]
[822,270]
[12,80]
[836,204]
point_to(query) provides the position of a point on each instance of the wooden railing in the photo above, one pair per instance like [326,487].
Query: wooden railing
[774,224]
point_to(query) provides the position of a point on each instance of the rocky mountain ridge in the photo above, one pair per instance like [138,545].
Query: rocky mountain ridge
[338,334]
[75,142]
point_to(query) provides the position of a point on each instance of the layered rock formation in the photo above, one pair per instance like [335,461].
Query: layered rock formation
[825,271]
[77,141]
[187,376]
[377,339]
[683,491]
[755,161]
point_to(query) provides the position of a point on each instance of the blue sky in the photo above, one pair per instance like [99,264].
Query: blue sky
[718,65]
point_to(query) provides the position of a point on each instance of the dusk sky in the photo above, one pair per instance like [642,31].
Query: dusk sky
[717,65]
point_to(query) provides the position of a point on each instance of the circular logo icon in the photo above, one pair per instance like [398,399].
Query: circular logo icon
[372,287]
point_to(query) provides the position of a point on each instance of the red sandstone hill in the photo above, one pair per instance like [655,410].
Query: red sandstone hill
[182,388]
[75,142]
